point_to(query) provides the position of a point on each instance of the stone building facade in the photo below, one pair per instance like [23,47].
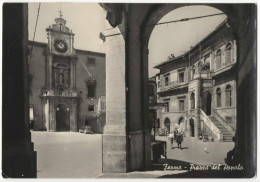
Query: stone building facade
[67,85]
[199,88]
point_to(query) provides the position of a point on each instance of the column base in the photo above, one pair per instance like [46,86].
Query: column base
[19,160]
[114,154]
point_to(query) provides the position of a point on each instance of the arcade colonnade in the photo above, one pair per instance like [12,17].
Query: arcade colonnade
[131,149]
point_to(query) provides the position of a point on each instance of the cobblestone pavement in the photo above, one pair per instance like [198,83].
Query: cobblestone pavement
[68,154]
[194,151]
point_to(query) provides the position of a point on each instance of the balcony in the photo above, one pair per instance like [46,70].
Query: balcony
[224,67]
[174,85]
[52,93]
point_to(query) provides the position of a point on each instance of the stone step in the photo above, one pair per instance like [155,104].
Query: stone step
[227,136]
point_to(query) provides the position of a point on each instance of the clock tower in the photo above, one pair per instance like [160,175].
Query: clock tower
[60,94]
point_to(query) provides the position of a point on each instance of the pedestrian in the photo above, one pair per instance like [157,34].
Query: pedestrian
[179,139]
[175,133]
[171,138]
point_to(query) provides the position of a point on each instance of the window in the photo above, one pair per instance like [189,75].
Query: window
[218,95]
[91,90]
[167,107]
[181,105]
[91,61]
[228,53]
[192,72]
[159,84]
[166,81]
[228,120]
[218,59]
[192,100]
[31,114]
[228,96]
[91,108]
[199,67]
[181,77]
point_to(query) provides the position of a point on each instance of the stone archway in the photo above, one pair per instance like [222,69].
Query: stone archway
[136,25]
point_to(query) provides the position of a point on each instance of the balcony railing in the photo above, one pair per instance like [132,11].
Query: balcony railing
[211,125]
[173,85]
[59,93]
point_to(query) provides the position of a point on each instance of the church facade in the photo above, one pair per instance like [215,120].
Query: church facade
[199,88]
[67,85]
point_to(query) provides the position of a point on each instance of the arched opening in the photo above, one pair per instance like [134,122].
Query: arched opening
[62,118]
[218,97]
[181,120]
[208,104]
[228,94]
[192,72]
[218,59]
[228,53]
[167,125]
[192,100]
[192,132]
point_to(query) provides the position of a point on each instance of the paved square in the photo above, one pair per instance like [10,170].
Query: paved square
[193,151]
[68,154]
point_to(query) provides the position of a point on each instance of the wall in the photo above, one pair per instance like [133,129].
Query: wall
[37,73]
[99,74]
[224,110]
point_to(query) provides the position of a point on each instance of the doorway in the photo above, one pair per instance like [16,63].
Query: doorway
[191,127]
[62,118]
[167,124]
[208,104]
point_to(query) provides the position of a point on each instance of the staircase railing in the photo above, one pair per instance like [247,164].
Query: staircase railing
[222,121]
[211,125]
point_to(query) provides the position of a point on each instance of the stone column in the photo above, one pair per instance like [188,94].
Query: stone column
[197,108]
[52,115]
[73,74]
[73,116]
[114,137]
[49,61]
[18,155]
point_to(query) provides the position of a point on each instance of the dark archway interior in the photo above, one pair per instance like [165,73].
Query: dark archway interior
[192,128]
[62,118]
[208,104]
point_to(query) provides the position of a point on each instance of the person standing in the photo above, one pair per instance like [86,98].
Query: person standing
[179,139]
[175,133]
[171,138]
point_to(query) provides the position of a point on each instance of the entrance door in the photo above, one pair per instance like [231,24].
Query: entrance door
[208,104]
[167,124]
[191,127]
[62,118]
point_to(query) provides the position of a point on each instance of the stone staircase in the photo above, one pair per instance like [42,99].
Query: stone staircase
[227,135]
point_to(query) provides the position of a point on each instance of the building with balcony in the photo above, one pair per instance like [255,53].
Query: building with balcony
[67,85]
[199,88]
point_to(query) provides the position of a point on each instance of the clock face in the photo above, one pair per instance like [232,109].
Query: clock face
[60,45]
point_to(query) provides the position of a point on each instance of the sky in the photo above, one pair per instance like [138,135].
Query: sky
[87,20]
